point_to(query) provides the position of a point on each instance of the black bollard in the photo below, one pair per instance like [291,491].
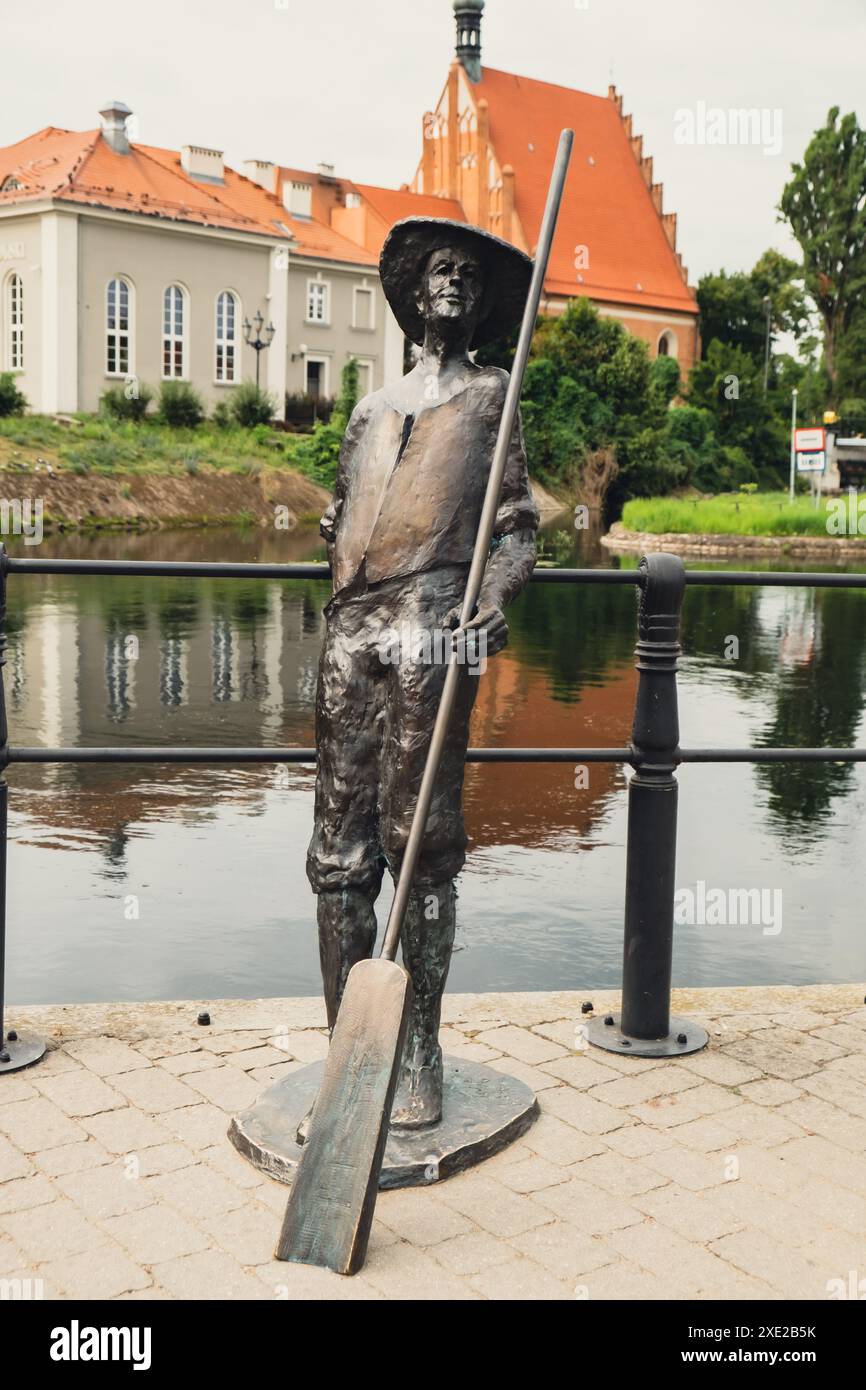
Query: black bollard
[645,1027]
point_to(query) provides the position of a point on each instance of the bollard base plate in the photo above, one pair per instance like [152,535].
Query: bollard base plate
[23,1051]
[612,1039]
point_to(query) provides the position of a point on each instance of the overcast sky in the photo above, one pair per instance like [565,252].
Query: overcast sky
[347,81]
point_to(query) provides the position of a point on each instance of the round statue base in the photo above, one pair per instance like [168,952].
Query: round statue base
[21,1050]
[483,1111]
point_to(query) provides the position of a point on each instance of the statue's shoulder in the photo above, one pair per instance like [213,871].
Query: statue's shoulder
[493,379]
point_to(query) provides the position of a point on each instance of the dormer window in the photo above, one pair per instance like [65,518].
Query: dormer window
[9,185]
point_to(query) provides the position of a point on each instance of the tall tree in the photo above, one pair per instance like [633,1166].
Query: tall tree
[825,205]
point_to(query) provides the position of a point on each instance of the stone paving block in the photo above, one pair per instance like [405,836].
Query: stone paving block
[209,1275]
[691,1214]
[38,1124]
[580,1071]
[810,1045]
[106,1056]
[198,1126]
[521,1280]
[636,1141]
[473,1252]
[766,1169]
[533,1077]
[684,1268]
[818,1155]
[155,1233]
[228,1087]
[835,1206]
[718,1066]
[163,1158]
[21,1193]
[585,1114]
[666,1112]
[51,1230]
[769,1056]
[185,1063]
[472,1051]
[417,1215]
[197,1191]
[561,1030]
[12,1257]
[79,1093]
[126,1131]
[754,1252]
[532,1174]
[309,1045]
[15,1088]
[292,1283]
[840,1089]
[563,1249]
[521,1043]
[553,1139]
[154,1090]
[248,1233]
[804,1020]
[107,1191]
[104,1272]
[696,1171]
[236,1041]
[56,1060]
[491,1206]
[71,1158]
[820,1117]
[620,1280]
[587,1207]
[266,1076]
[13,1164]
[769,1092]
[635,1090]
[167,1046]
[854,1064]
[617,1174]
[402,1272]
[250,1057]
[226,1159]
[750,1123]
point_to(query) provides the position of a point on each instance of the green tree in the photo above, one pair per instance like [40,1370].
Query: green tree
[825,204]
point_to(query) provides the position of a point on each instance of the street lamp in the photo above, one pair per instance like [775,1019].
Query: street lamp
[258,344]
[767,302]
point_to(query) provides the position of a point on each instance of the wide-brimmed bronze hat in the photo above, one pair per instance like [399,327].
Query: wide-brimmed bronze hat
[507,274]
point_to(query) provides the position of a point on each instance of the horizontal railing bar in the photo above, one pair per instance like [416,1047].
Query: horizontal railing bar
[474,755]
[182,569]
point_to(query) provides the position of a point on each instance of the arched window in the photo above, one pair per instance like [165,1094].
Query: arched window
[118,327]
[174,331]
[14,316]
[667,344]
[227,316]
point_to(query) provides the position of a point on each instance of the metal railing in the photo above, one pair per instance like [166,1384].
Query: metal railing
[644,1027]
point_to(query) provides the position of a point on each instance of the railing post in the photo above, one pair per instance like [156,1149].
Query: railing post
[645,1027]
[16,1050]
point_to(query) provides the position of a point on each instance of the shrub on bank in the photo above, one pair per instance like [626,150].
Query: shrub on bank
[180,405]
[124,403]
[730,514]
[12,401]
[249,405]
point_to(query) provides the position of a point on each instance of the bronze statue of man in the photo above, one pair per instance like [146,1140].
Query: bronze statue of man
[400,533]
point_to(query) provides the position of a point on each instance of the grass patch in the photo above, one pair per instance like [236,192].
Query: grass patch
[729,514]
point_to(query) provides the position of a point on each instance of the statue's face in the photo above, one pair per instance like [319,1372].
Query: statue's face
[452,289]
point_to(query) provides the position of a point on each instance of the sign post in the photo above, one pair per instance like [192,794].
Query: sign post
[793,434]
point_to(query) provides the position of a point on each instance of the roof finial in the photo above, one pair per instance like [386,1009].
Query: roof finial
[468,13]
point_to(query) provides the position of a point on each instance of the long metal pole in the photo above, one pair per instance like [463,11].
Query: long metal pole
[481,552]
[793,438]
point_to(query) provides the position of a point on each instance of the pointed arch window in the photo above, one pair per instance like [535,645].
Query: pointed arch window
[175,317]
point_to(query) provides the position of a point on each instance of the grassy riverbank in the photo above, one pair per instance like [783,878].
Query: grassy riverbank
[730,514]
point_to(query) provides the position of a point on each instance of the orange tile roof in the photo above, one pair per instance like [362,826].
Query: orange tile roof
[81,167]
[391,205]
[607,206]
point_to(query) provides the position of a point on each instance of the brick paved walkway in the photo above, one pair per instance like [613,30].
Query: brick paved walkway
[736,1173]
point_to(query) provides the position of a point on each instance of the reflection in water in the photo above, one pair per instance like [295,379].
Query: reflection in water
[188,882]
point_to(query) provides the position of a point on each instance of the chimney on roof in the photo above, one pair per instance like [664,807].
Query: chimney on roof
[468,15]
[325,171]
[202,165]
[114,115]
[262,172]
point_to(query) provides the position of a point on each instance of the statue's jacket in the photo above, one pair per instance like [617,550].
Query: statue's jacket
[410,488]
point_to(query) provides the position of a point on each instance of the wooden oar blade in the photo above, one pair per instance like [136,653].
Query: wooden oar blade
[330,1210]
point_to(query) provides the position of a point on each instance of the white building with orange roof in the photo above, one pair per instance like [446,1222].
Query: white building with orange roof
[121,262]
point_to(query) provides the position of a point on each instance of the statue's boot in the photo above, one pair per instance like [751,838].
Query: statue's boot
[347,934]
[427,939]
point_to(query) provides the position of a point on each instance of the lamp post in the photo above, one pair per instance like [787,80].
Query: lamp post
[258,344]
[767,310]
[793,443]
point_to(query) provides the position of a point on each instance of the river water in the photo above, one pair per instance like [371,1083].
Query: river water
[161,882]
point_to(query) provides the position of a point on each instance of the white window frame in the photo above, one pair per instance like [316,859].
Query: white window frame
[368,290]
[171,338]
[13,314]
[669,336]
[118,338]
[325,287]
[369,364]
[227,346]
[326,375]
